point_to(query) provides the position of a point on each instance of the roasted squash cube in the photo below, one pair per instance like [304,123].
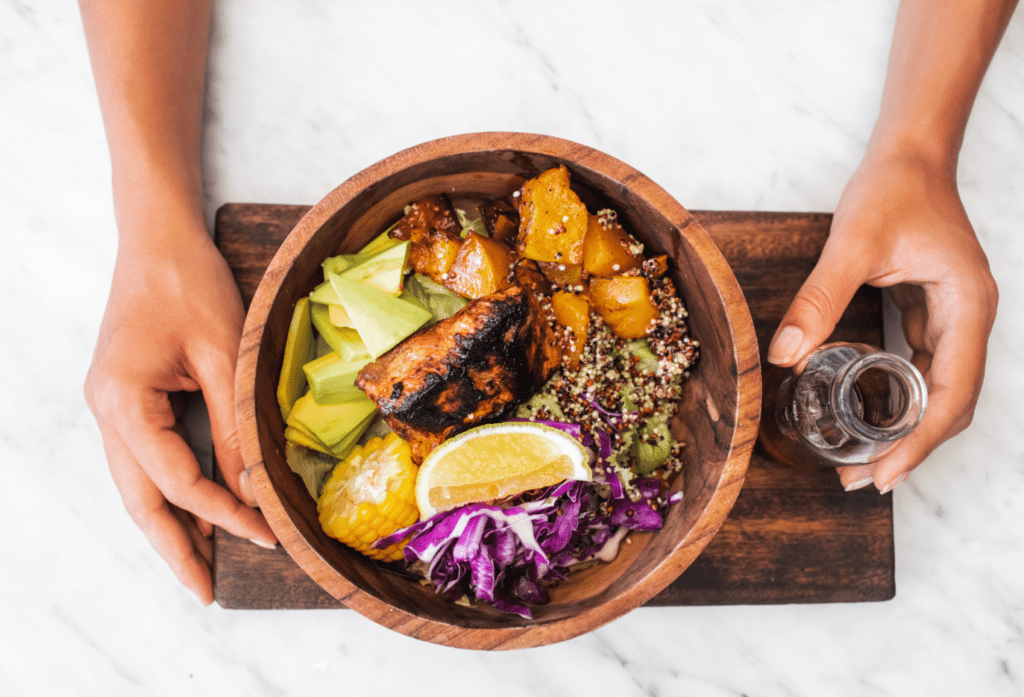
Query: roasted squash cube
[434,231]
[608,250]
[482,266]
[572,310]
[500,220]
[625,305]
[429,213]
[434,255]
[553,219]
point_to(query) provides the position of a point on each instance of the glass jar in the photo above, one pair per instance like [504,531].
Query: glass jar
[844,404]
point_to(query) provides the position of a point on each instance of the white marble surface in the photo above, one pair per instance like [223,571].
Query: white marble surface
[728,105]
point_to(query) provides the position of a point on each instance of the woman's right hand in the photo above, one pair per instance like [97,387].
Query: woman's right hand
[173,324]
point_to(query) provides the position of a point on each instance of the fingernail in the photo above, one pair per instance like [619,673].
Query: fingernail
[892,485]
[264,545]
[245,488]
[859,484]
[785,346]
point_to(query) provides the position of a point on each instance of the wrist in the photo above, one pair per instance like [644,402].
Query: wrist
[916,145]
[152,205]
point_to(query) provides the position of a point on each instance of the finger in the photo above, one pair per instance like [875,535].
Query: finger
[816,308]
[913,307]
[200,542]
[914,310]
[179,405]
[148,509]
[215,372]
[945,411]
[855,477]
[145,426]
[205,526]
[954,377]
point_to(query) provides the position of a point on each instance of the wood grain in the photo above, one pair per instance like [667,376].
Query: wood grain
[793,536]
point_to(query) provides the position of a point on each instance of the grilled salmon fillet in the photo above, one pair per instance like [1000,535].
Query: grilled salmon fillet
[469,369]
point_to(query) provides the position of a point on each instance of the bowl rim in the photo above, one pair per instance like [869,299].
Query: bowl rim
[685,551]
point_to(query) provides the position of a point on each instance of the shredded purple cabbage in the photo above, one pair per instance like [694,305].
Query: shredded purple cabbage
[611,475]
[610,416]
[504,556]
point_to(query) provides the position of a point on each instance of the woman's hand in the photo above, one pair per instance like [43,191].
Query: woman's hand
[174,317]
[900,225]
[173,323]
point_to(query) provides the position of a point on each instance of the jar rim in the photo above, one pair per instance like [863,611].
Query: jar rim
[914,396]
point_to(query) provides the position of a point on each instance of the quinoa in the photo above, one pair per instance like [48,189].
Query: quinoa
[617,390]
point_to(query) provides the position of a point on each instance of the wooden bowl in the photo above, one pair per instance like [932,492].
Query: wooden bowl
[718,417]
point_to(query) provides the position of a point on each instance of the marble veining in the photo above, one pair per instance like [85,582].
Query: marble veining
[728,105]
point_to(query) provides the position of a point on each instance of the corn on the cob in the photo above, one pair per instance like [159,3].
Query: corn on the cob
[371,494]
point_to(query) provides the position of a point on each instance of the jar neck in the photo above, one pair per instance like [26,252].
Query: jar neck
[878,397]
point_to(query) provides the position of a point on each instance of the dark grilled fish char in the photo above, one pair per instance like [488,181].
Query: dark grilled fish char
[471,368]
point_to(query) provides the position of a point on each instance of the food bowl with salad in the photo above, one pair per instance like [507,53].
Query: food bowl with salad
[497,390]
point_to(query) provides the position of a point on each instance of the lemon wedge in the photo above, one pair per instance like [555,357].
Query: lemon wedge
[497,460]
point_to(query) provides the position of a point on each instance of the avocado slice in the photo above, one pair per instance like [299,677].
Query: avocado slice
[352,347]
[343,447]
[325,294]
[384,271]
[330,423]
[339,318]
[336,337]
[342,262]
[380,242]
[332,379]
[304,438]
[381,319]
[299,349]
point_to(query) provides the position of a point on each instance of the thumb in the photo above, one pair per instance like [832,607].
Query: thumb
[817,307]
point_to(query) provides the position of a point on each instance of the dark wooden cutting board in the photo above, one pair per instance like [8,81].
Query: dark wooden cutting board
[793,536]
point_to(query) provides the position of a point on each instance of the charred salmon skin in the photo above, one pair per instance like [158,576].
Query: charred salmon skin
[469,369]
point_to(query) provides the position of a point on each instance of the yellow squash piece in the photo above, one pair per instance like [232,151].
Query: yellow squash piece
[432,226]
[481,267]
[553,219]
[572,311]
[370,495]
[625,304]
[608,249]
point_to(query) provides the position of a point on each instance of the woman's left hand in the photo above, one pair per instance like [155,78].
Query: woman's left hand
[900,225]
